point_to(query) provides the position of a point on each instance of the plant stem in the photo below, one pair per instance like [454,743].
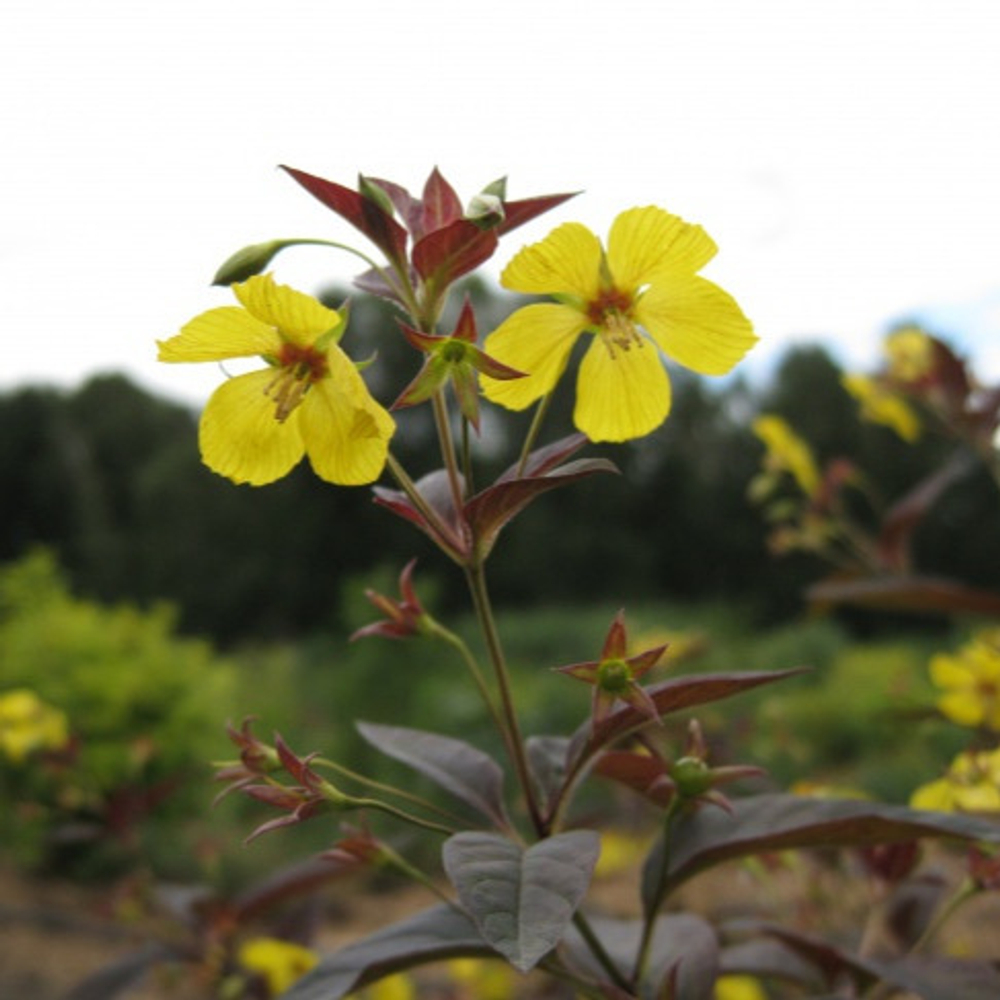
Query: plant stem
[442,533]
[599,951]
[649,918]
[532,435]
[476,578]
[458,644]
[443,425]
[391,810]
[378,786]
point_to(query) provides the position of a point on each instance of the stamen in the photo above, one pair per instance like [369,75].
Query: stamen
[299,368]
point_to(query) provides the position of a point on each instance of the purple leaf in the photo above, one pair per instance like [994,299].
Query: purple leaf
[684,948]
[764,823]
[905,593]
[447,253]
[470,775]
[488,511]
[517,213]
[440,206]
[522,900]
[362,213]
[670,696]
[437,934]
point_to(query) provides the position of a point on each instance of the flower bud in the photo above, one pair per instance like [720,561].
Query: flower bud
[249,261]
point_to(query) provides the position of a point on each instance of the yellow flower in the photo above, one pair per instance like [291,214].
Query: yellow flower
[972,784]
[308,400]
[639,296]
[971,681]
[28,724]
[787,452]
[882,406]
[279,963]
[910,354]
[397,987]
[482,979]
[739,988]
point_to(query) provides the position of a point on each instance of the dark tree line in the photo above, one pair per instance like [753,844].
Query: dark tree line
[109,477]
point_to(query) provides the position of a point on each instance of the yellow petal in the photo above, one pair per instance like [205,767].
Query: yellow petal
[697,324]
[567,261]
[649,244]
[225,332]
[950,671]
[346,434]
[536,340]
[299,317]
[621,396]
[241,438]
[936,795]
[963,707]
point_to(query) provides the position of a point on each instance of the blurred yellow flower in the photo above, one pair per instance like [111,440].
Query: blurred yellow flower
[972,784]
[308,399]
[279,963]
[739,988]
[910,354]
[397,987]
[621,851]
[28,724]
[881,405]
[482,979]
[970,680]
[639,296]
[787,452]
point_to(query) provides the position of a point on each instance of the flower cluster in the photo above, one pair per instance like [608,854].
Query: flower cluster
[28,725]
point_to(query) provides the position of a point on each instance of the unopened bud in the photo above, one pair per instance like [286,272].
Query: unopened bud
[485,210]
[249,261]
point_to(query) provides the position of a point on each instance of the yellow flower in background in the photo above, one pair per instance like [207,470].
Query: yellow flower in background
[739,988]
[639,296]
[972,784]
[970,680]
[483,979]
[308,399]
[279,963]
[397,987]
[910,354]
[28,724]
[787,452]
[881,405]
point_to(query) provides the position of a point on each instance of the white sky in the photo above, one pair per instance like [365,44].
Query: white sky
[845,155]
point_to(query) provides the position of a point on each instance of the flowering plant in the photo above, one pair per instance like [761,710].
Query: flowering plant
[517,860]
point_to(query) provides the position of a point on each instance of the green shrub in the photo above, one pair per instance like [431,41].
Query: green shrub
[145,709]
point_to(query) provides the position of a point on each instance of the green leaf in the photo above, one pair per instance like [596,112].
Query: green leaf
[433,935]
[521,900]
[763,823]
[466,772]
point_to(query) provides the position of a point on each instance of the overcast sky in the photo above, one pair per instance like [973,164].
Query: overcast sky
[844,155]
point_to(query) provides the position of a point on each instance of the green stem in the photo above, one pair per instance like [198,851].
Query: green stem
[378,786]
[441,532]
[533,431]
[599,952]
[649,918]
[390,810]
[476,579]
[398,862]
[459,645]
[443,425]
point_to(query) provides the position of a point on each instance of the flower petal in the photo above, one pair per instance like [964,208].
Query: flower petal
[241,438]
[697,324]
[621,396]
[536,340]
[299,317]
[568,260]
[225,332]
[346,431]
[648,244]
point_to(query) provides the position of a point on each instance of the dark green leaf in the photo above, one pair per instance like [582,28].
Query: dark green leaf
[461,769]
[521,900]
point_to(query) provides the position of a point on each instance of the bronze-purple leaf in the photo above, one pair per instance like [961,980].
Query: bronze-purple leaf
[362,213]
